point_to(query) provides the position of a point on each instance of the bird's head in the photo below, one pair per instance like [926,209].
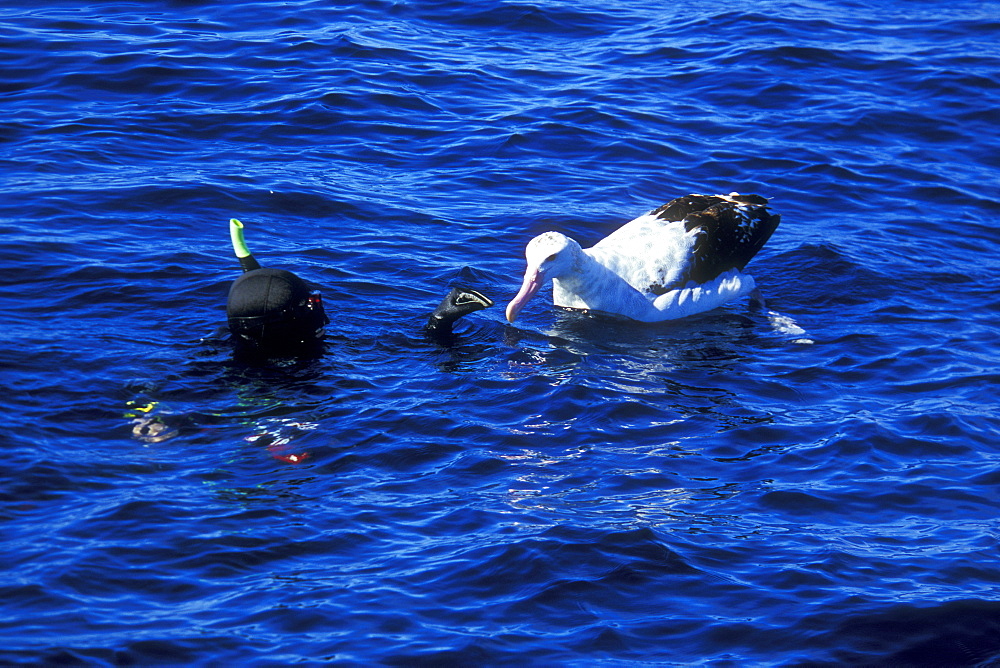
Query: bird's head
[549,255]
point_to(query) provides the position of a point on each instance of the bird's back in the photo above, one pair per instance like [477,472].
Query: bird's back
[729,232]
[691,238]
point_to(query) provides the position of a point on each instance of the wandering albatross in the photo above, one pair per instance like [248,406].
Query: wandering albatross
[682,258]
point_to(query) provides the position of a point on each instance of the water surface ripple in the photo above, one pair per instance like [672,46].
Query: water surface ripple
[815,485]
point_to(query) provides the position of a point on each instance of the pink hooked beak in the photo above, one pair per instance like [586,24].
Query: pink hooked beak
[533,280]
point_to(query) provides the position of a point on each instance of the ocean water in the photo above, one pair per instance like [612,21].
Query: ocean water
[813,484]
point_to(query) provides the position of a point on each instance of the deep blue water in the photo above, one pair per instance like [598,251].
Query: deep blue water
[570,491]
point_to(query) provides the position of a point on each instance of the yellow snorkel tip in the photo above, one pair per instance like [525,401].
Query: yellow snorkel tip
[247,260]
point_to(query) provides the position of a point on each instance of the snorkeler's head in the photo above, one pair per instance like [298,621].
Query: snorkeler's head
[273,311]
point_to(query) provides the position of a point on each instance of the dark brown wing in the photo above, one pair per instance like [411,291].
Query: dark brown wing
[680,208]
[730,231]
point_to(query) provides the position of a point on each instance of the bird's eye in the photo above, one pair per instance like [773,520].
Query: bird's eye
[551,258]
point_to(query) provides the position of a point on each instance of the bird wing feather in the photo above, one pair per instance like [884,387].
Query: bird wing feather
[727,235]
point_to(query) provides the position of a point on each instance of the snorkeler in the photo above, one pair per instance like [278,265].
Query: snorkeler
[274,312]
[271,311]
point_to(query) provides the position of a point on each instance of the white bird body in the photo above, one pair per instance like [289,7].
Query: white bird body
[683,258]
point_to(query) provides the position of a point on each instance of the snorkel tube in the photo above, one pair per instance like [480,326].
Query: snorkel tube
[243,254]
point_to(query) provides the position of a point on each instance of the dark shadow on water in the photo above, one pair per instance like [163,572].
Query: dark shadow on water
[957,633]
[461,350]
